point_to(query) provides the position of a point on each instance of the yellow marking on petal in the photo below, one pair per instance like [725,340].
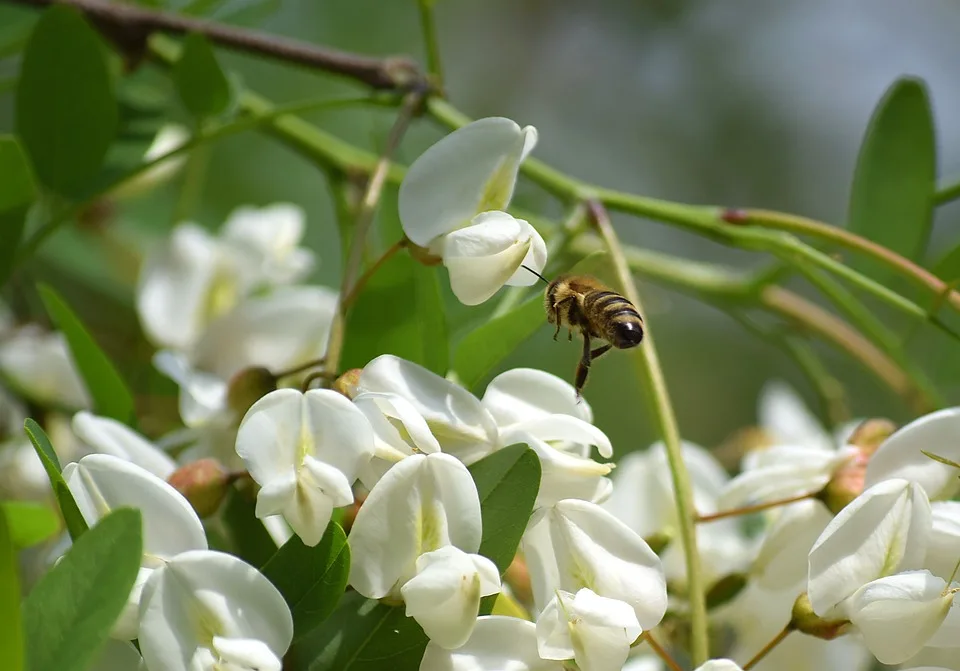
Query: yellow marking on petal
[497,188]
[222,295]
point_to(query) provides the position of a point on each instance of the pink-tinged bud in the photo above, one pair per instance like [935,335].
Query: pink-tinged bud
[735,216]
[247,387]
[848,482]
[203,483]
[517,577]
[348,384]
[423,255]
[803,619]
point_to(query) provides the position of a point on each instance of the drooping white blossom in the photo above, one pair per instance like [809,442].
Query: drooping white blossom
[943,550]
[883,531]
[524,394]
[451,202]
[423,503]
[900,456]
[210,610]
[596,631]
[444,596]
[38,365]
[108,436]
[100,483]
[498,643]
[719,665]
[305,451]
[573,544]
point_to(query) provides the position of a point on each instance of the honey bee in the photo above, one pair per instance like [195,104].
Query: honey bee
[583,302]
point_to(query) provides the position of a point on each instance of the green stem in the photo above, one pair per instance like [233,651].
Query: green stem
[948,192]
[429,29]
[651,373]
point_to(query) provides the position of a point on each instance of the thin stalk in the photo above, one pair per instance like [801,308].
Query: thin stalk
[749,510]
[372,270]
[431,42]
[948,192]
[191,186]
[777,640]
[661,652]
[364,220]
[648,364]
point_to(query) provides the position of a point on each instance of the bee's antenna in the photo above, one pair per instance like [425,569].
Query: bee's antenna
[546,281]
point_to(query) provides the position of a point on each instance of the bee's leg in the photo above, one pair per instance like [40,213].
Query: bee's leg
[584,366]
[556,316]
[599,352]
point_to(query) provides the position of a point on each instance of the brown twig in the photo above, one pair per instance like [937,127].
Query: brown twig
[747,510]
[777,640]
[660,651]
[372,270]
[129,26]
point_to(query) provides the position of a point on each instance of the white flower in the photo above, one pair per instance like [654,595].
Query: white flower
[108,436]
[783,415]
[202,608]
[522,394]
[423,503]
[304,450]
[899,614]
[943,551]
[574,544]
[595,631]
[719,665]
[444,595]
[399,431]
[461,426]
[101,482]
[883,531]
[451,202]
[781,561]
[900,456]
[498,643]
[39,366]
[195,277]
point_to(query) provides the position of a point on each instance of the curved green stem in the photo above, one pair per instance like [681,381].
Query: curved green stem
[651,373]
[429,29]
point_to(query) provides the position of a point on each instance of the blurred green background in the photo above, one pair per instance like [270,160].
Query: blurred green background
[742,103]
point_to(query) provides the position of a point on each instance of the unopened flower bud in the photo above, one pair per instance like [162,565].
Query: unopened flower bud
[517,577]
[659,541]
[726,589]
[423,255]
[348,383]
[848,482]
[803,619]
[248,386]
[203,483]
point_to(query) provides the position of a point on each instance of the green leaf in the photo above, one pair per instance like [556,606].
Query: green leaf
[248,537]
[17,192]
[891,200]
[200,81]
[482,350]
[29,523]
[311,579]
[508,482]
[362,635]
[111,396]
[66,114]
[70,611]
[76,525]
[11,627]
[947,268]
[399,312]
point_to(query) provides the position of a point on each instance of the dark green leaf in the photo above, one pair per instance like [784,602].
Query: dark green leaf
[508,482]
[362,635]
[111,396]
[76,525]
[947,268]
[891,200]
[311,580]
[11,628]
[247,535]
[399,312]
[200,82]
[66,112]
[17,192]
[70,611]
[483,348]
[29,523]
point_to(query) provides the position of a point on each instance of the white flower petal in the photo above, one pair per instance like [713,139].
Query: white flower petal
[101,482]
[174,287]
[943,550]
[270,436]
[784,414]
[270,236]
[599,630]
[202,395]
[482,257]
[566,429]
[245,654]
[231,599]
[526,393]
[898,615]
[881,532]
[455,417]
[719,665]
[498,643]
[420,505]
[535,259]
[468,171]
[445,594]
[276,495]
[342,436]
[899,455]
[381,408]
[287,327]
[108,436]
[782,560]
[38,365]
